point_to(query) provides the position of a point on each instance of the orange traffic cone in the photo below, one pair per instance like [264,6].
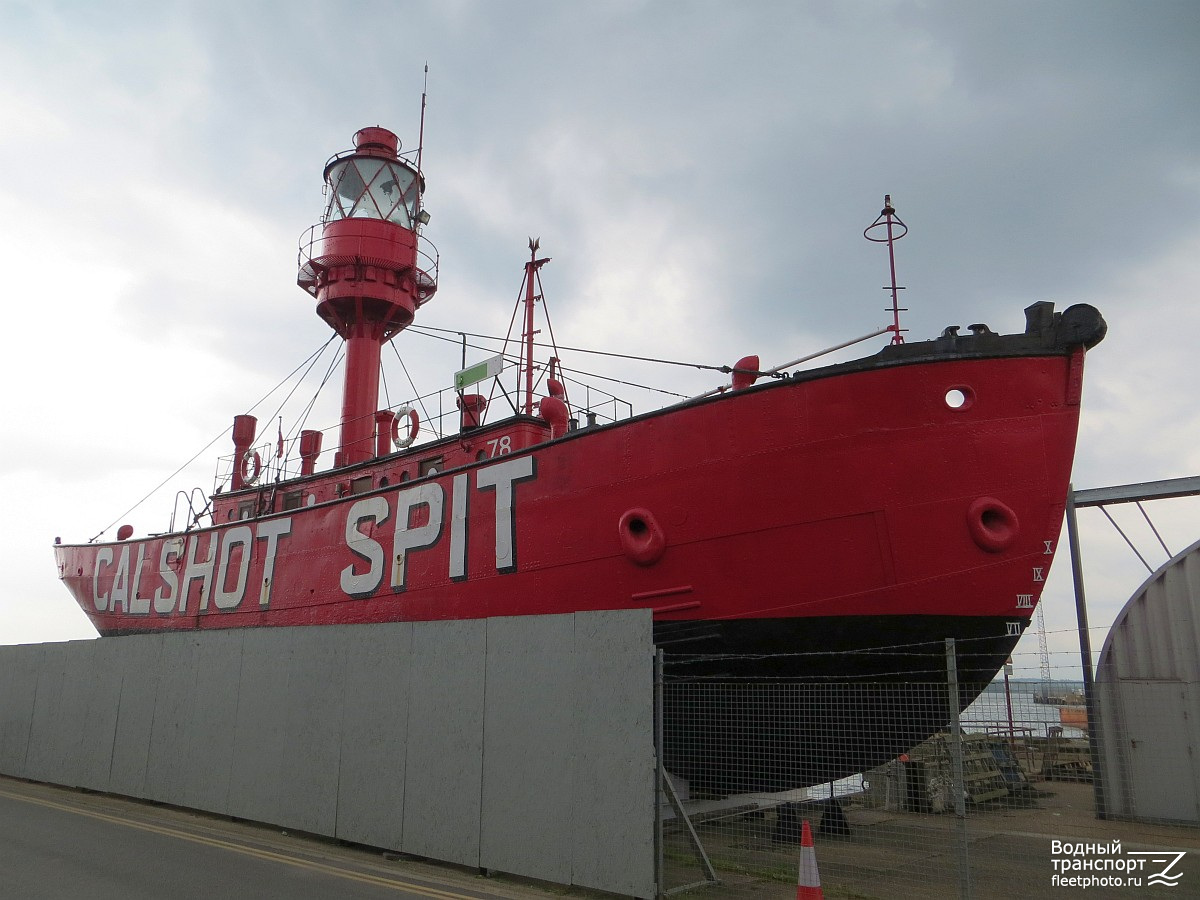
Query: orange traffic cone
[808,885]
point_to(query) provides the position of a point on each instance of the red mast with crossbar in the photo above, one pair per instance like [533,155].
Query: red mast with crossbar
[531,298]
[890,222]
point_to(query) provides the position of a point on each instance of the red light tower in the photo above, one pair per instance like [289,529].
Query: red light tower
[369,269]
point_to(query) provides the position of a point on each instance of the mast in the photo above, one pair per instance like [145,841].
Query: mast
[531,297]
[890,221]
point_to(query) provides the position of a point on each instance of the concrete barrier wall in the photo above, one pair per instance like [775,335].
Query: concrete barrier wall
[521,745]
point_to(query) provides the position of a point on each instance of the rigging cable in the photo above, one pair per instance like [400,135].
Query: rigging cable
[437,430]
[511,358]
[203,449]
[312,361]
[156,488]
[337,359]
[503,348]
[553,340]
[725,370]
[312,358]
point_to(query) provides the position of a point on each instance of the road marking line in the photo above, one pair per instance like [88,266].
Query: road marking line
[268,855]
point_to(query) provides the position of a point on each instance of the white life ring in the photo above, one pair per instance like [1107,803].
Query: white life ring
[414,426]
[251,466]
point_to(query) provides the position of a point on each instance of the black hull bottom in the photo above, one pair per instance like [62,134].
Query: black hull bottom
[777,704]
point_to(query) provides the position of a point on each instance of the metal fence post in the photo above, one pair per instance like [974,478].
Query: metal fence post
[659,775]
[665,793]
[956,769]
[1090,699]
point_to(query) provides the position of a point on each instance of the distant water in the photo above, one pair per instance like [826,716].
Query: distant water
[990,709]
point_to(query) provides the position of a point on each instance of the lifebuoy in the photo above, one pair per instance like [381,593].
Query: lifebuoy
[414,426]
[251,466]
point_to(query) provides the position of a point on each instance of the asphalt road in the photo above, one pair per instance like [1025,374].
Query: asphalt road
[63,844]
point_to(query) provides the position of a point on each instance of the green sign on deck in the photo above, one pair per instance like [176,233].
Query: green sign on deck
[489,368]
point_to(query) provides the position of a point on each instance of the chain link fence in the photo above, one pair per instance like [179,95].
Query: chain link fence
[910,794]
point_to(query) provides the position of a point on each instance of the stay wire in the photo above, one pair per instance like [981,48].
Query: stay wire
[514,359]
[333,364]
[503,347]
[416,394]
[725,370]
[159,486]
[205,448]
[537,275]
[312,361]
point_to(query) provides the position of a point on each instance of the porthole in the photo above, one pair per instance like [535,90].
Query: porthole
[959,398]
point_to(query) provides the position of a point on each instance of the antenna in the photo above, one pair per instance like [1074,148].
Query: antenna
[421,132]
[888,218]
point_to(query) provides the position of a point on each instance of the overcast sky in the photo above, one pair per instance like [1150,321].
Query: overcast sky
[700,172]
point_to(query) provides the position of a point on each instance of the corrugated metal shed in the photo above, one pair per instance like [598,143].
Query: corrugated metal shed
[1148,693]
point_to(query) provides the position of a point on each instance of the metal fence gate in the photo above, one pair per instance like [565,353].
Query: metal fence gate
[1003,798]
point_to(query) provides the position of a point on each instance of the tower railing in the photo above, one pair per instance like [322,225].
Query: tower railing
[308,269]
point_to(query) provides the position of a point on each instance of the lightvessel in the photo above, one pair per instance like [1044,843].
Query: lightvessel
[806,540]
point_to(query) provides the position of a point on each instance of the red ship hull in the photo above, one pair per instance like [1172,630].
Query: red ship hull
[794,529]
[838,496]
